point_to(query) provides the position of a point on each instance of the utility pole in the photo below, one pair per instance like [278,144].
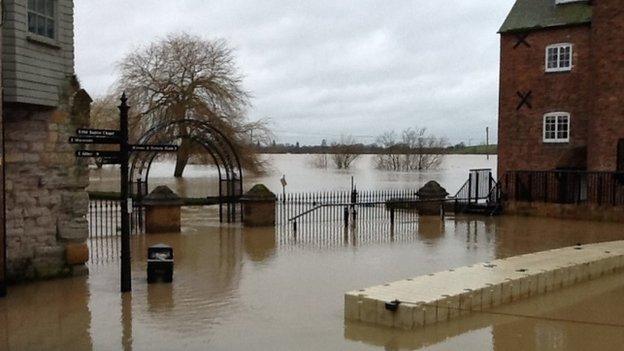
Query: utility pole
[487,142]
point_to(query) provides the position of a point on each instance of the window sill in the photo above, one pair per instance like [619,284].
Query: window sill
[41,40]
[566,70]
[555,142]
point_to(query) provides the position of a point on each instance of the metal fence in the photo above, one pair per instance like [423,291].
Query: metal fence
[480,188]
[104,217]
[565,187]
[334,206]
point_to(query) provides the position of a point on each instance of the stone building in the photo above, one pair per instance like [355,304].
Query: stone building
[45,196]
[562,86]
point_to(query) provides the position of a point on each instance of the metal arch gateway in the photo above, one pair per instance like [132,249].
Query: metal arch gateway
[216,144]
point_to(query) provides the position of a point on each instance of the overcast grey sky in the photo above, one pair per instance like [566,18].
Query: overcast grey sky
[322,68]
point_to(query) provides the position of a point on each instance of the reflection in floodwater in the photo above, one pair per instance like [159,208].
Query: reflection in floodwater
[273,289]
[47,315]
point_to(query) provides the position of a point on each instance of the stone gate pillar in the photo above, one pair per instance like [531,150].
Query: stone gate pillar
[433,198]
[259,207]
[162,211]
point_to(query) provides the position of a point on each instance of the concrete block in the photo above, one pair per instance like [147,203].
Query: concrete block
[525,285]
[497,295]
[595,270]
[542,278]
[404,318]
[584,273]
[533,285]
[352,307]
[558,276]
[506,292]
[486,298]
[385,317]
[442,310]
[368,310]
[567,277]
[516,290]
[430,312]
[476,300]
[418,316]
[453,306]
[550,280]
[513,279]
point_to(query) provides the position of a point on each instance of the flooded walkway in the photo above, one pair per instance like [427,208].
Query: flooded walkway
[262,289]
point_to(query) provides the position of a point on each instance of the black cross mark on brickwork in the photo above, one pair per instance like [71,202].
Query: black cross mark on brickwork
[525,99]
[521,40]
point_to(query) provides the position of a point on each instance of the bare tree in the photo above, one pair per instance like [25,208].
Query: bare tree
[414,151]
[319,161]
[183,77]
[424,151]
[390,159]
[345,152]
[104,112]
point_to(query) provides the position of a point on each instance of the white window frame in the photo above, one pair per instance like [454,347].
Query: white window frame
[557,117]
[45,16]
[559,47]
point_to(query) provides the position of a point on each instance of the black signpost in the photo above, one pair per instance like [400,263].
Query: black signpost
[121,157]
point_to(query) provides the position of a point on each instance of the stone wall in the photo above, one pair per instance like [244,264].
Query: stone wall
[45,189]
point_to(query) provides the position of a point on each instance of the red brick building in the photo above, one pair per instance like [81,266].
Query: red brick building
[562,86]
[561,110]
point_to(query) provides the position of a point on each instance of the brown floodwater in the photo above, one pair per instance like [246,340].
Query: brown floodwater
[264,289]
[268,289]
[301,176]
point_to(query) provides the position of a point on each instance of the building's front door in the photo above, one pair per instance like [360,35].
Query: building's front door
[620,156]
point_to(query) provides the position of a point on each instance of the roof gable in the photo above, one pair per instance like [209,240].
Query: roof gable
[537,14]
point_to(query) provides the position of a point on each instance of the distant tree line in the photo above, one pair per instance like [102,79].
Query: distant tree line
[361,148]
[412,149]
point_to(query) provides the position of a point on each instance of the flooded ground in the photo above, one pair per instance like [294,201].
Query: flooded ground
[267,289]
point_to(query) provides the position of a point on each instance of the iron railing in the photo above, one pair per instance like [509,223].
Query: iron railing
[480,188]
[564,187]
[330,206]
[104,217]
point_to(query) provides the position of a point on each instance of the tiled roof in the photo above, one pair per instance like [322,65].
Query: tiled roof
[529,15]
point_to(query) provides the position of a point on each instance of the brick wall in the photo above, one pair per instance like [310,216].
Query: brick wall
[521,145]
[606,126]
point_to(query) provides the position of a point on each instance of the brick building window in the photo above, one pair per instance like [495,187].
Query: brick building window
[557,127]
[559,58]
[41,17]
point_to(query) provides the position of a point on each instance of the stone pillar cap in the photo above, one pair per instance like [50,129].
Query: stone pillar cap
[162,196]
[259,192]
[432,190]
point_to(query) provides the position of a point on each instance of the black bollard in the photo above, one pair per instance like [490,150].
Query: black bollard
[346,216]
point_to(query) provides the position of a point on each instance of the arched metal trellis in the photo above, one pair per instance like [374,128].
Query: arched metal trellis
[216,144]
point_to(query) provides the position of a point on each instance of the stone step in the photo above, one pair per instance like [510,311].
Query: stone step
[439,297]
